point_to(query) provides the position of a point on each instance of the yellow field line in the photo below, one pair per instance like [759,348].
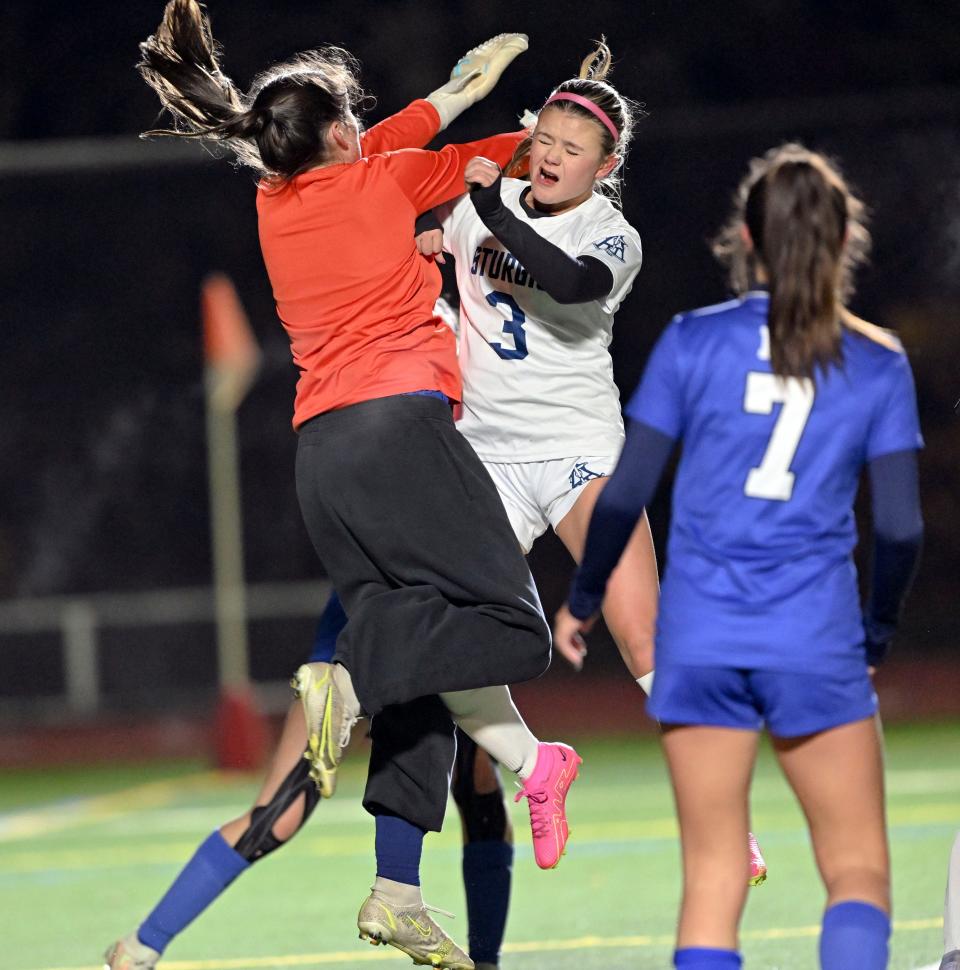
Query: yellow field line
[531,946]
[318,846]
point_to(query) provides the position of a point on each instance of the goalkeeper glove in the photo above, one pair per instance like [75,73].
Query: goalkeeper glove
[475,75]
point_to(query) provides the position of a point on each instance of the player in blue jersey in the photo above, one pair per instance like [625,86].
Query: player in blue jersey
[781,397]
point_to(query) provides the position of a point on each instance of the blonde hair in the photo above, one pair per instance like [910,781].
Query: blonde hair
[591,83]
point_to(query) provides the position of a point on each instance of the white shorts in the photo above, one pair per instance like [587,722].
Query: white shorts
[538,494]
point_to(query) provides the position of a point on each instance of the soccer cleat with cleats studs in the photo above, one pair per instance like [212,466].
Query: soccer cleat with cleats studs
[758,868]
[412,931]
[129,953]
[329,723]
[546,794]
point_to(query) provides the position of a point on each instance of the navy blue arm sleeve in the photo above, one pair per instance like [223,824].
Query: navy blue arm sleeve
[565,278]
[619,507]
[426,222]
[898,533]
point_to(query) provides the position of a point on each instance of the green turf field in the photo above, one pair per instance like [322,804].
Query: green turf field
[85,853]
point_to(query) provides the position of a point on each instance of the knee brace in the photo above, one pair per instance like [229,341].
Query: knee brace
[258,840]
[484,816]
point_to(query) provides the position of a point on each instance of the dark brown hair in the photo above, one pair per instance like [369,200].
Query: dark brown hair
[807,235]
[278,128]
[624,113]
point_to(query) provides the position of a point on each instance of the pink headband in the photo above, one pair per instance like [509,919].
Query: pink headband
[594,109]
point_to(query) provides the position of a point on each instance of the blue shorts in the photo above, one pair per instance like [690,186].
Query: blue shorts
[789,703]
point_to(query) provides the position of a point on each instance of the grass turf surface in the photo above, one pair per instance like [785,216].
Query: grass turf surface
[84,854]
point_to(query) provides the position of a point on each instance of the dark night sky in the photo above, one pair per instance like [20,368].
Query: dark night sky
[67,68]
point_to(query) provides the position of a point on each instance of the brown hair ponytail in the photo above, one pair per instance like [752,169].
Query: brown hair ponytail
[806,236]
[278,127]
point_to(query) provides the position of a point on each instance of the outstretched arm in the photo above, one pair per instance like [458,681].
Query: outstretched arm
[898,532]
[412,127]
[475,75]
[566,278]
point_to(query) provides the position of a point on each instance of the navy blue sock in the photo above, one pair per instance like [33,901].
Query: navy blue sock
[486,879]
[330,625]
[399,844]
[854,934]
[706,958]
[213,867]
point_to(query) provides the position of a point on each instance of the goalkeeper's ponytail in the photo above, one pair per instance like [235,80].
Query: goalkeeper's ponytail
[279,127]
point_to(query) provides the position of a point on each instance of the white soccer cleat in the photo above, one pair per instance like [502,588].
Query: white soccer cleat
[329,722]
[412,931]
[129,953]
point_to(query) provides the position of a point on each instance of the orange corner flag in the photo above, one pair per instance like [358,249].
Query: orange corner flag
[230,348]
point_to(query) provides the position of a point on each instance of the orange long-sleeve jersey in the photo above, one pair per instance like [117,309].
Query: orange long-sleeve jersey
[353,293]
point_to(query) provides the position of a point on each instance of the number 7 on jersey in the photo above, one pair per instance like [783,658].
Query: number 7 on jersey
[772,478]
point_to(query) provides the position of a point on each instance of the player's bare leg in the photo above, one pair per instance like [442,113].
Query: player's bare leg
[837,776]
[630,607]
[285,801]
[286,758]
[710,768]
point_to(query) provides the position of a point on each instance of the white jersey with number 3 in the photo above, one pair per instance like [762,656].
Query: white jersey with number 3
[537,374]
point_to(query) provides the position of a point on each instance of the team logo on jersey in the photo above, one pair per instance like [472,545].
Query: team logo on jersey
[580,475]
[614,245]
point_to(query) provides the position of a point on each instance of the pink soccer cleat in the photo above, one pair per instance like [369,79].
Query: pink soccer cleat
[758,868]
[546,794]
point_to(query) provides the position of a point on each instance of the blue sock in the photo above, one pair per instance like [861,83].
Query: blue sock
[399,844]
[331,623]
[486,879]
[854,935]
[213,867]
[706,958]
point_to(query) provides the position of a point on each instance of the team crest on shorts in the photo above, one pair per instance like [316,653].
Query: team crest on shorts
[614,245]
[580,475]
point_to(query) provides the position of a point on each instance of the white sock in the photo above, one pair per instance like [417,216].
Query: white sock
[951,911]
[488,715]
[345,684]
[646,682]
[400,894]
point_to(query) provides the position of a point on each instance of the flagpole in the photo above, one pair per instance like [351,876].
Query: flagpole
[232,360]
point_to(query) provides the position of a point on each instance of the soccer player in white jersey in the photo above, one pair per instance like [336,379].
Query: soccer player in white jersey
[542,267]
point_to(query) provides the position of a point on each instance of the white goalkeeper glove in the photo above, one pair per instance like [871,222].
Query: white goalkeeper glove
[475,75]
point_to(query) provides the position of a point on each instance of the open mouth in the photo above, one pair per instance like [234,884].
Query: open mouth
[547,178]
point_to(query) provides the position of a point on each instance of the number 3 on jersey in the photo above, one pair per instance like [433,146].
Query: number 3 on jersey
[772,479]
[513,327]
